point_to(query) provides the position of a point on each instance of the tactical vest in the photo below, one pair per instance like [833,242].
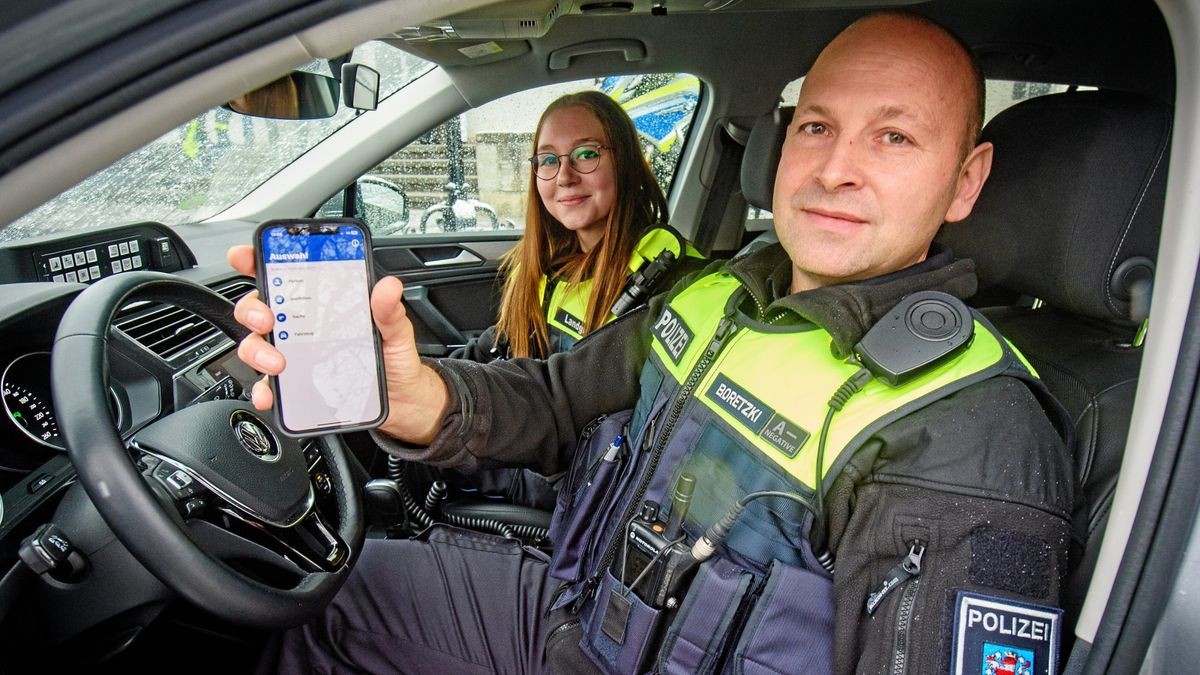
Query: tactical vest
[740,406]
[566,304]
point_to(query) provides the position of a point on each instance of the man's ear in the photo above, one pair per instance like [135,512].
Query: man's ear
[971,177]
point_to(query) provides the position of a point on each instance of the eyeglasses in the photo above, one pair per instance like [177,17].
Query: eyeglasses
[584,159]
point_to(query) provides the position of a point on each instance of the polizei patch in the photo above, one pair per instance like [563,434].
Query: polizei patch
[569,320]
[757,416]
[673,334]
[1005,637]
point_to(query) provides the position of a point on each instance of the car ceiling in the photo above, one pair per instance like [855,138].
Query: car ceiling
[754,47]
[54,89]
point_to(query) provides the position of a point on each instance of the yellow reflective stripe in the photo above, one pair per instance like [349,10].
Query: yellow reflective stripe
[767,367]
[652,243]
[1021,357]
[655,241]
[571,298]
[788,377]
[700,307]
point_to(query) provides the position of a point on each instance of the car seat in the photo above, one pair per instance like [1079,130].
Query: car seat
[759,162]
[1070,216]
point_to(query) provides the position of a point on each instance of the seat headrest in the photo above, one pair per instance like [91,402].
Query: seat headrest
[1072,210]
[762,156]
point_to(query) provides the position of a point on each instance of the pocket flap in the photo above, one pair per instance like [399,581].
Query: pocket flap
[700,633]
[790,629]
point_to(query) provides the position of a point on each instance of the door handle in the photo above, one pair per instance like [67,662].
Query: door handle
[464,257]
[417,298]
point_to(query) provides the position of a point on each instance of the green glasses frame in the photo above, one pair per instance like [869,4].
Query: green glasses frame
[579,164]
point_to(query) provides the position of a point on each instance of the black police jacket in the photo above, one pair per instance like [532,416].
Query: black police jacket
[981,475]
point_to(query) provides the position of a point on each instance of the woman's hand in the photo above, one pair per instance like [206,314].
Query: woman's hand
[417,396]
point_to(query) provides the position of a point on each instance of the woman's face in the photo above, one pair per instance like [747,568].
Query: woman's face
[580,201]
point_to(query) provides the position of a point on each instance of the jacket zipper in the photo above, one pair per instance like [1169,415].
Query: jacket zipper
[762,311]
[584,437]
[562,629]
[903,619]
[715,346]
[562,588]
[589,474]
[905,573]
[904,570]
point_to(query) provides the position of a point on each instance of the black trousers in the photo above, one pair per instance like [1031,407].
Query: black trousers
[452,601]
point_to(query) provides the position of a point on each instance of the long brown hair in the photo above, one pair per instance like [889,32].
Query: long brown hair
[548,248]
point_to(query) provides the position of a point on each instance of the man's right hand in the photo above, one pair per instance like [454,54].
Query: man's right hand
[417,396]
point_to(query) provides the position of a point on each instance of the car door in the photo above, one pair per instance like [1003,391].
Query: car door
[445,209]
[451,283]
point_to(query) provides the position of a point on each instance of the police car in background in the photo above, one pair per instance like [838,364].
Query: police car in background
[118,157]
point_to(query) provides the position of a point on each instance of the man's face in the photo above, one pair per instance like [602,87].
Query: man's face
[873,161]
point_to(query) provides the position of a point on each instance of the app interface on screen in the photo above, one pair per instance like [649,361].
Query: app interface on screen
[317,286]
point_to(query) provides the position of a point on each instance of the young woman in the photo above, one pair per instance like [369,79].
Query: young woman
[595,244]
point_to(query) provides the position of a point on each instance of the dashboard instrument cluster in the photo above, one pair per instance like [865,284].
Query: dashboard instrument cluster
[30,412]
[29,409]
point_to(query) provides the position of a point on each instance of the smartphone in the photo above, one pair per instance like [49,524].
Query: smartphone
[316,277]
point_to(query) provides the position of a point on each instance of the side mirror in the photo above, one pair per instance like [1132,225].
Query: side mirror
[381,204]
[360,86]
[296,96]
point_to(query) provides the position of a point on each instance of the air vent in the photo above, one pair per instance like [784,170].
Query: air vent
[606,8]
[522,20]
[175,334]
[234,290]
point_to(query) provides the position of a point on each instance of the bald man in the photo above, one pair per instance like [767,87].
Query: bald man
[843,519]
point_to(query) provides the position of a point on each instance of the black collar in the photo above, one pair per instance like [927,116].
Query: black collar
[846,311]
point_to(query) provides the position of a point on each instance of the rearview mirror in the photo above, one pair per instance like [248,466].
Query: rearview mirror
[360,86]
[296,96]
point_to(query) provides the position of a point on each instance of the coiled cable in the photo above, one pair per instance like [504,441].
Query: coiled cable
[414,510]
[427,514]
[433,499]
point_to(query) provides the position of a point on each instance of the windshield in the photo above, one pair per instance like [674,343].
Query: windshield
[205,165]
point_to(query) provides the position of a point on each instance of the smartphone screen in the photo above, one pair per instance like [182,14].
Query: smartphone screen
[316,278]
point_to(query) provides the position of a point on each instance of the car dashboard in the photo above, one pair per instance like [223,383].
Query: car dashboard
[161,358]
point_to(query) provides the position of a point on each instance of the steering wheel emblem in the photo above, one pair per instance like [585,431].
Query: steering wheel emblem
[254,436]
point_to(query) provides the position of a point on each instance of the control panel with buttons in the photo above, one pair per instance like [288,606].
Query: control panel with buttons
[93,262]
[95,255]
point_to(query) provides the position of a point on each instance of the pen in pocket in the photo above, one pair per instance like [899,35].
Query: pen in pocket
[611,453]
[614,449]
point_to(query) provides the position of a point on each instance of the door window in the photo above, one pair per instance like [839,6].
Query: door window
[472,173]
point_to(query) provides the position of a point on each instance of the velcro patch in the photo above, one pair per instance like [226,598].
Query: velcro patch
[757,416]
[569,320]
[1005,637]
[616,616]
[673,334]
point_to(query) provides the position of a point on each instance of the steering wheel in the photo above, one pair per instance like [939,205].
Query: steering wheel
[215,481]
